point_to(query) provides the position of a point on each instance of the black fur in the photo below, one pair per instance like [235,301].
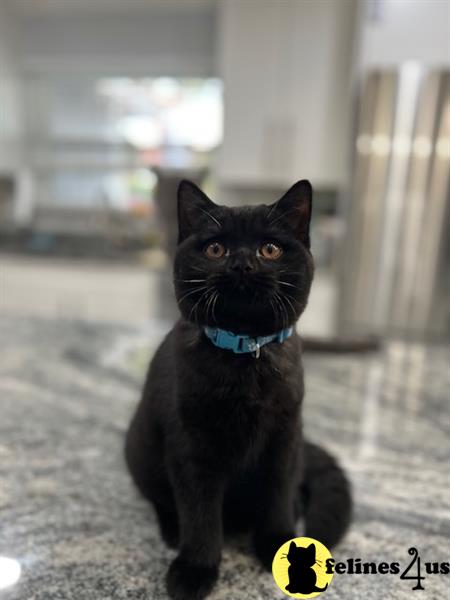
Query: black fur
[216,443]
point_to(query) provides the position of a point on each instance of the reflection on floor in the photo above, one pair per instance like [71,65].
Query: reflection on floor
[71,517]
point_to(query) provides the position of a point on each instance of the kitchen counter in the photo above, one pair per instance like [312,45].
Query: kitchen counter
[80,531]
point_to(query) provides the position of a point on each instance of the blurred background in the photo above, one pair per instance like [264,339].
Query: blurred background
[106,104]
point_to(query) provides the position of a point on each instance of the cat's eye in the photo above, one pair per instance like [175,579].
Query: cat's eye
[215,250]
[270,251]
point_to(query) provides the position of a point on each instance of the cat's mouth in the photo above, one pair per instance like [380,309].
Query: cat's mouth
[245,283]
[247,291]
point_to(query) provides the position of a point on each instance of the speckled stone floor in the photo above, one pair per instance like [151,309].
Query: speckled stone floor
[71,517]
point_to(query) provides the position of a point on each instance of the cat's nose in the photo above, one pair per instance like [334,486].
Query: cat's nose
[241,264]
[242,268]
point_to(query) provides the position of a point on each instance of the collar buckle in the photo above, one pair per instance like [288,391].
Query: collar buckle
[254,348]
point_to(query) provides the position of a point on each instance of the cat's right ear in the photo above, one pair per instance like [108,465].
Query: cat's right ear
[293,546]
[194,210]
[294,209]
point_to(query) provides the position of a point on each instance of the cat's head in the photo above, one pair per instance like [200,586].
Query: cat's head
[243,269]
[302,556]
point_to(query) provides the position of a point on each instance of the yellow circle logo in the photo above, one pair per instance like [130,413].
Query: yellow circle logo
[299,568]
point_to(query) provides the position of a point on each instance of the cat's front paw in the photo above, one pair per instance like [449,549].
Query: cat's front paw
[186,581]
[266,546]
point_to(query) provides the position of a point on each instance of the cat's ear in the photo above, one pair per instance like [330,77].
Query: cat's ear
[292,546]
[194,210]
[312,550]
[294,209]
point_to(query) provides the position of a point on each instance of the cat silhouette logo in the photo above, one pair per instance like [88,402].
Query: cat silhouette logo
[299,568]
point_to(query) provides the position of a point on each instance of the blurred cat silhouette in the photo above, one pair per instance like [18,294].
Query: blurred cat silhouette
[302,577]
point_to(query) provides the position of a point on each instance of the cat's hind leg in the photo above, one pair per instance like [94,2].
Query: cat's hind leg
[145,461]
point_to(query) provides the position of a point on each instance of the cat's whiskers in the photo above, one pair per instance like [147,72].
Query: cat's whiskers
[209,302]
[212,303]
[192,280]
[197,289]
[214,307]
[286,297]
[293,297]
[273,309]
[280,309]
[286,322]
[288,284]
[195,306]
[283,313]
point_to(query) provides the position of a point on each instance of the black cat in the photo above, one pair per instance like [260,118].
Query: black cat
[216,443]
[302,577]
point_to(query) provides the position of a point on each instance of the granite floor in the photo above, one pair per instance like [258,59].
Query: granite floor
[70,516]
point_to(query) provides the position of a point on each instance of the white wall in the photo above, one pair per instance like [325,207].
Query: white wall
[287,70]
[396,31]
[10,95]
[152,43]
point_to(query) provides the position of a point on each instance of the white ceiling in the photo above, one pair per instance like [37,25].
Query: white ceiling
[47,8]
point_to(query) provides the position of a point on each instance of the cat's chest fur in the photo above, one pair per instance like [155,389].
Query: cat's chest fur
[233,403]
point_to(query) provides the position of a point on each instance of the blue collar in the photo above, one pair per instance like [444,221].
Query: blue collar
[243,344]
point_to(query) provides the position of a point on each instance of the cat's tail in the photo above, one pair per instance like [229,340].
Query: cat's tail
[326,497]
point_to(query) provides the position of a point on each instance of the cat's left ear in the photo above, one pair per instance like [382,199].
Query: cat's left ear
[195,209]
[312,549]
[294,209]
